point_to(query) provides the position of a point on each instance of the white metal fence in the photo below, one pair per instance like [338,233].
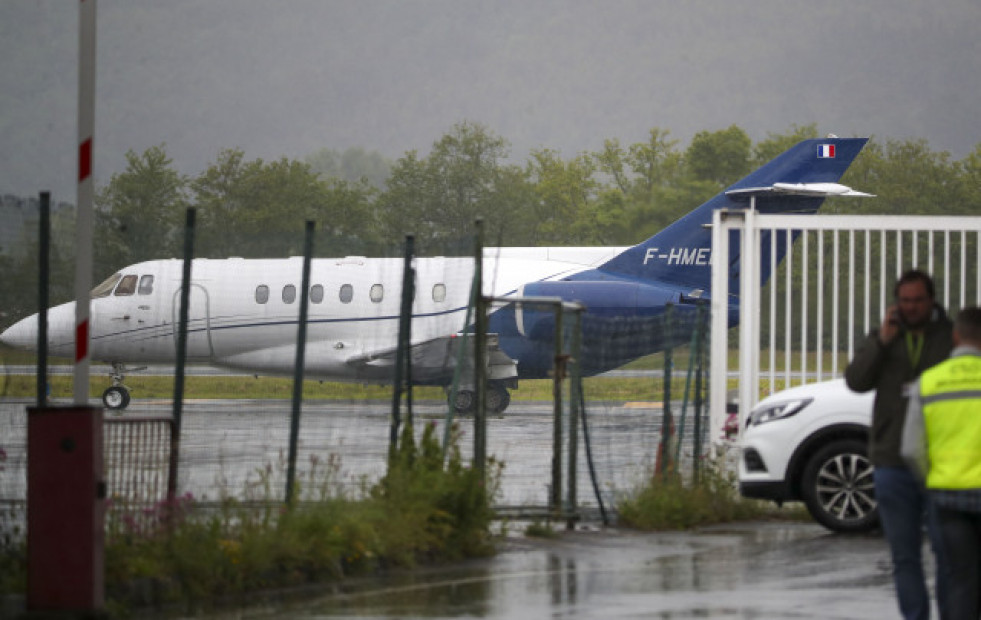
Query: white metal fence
[832,287]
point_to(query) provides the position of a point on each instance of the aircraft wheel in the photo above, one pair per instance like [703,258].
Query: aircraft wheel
[464,402]
[115,397]
[498,399]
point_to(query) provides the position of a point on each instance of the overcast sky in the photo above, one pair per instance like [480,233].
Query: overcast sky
[289,77]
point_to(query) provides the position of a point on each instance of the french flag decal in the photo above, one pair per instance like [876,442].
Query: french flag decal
[826,151]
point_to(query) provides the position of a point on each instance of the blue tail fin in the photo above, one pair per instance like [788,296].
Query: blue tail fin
[680,253]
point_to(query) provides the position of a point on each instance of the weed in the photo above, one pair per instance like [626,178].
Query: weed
[422,511]
[537,529]
[668,502]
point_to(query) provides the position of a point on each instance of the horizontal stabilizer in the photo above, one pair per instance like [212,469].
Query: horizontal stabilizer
[799,189]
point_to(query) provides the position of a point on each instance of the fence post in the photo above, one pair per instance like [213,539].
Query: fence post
[558,370]
[575,398]
[402,365]
[479,353]
[175,433]
[699,353]
[44,237]
[663,462]
[301,347]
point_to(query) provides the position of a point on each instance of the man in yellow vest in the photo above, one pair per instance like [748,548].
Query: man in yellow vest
[942,445]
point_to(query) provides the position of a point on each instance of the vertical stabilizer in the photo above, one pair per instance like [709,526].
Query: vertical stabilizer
[681,253]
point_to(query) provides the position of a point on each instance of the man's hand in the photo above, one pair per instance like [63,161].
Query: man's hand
[890,325]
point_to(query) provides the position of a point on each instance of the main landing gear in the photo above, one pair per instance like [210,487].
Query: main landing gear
[116,397]
[498,399]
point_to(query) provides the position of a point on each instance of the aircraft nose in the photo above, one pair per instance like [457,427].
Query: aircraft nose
[22,334]
[61,331]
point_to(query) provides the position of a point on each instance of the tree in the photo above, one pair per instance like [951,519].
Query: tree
[140,212]
[650,188]
[909,178]
[775,143]
[721,157]
[565,192]
[354,165]
[254,209]
[438,197]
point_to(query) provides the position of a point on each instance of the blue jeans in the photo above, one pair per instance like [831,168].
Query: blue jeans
[904,509]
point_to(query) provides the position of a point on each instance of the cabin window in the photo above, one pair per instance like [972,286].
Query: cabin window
[106,287]
[377,293]
[261,294]
[439,293]
[346,294]
[289,294]
[146,285]
[316,294]
[127,286]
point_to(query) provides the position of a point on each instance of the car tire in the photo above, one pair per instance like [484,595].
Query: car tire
[838,489]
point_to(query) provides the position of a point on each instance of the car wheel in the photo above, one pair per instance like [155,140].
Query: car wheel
[838,489]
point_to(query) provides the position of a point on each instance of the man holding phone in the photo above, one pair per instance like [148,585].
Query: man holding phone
[915,335]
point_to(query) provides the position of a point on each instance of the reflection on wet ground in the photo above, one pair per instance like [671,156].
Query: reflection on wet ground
[753,570]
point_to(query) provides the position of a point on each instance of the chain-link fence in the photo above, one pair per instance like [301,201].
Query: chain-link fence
[573,397]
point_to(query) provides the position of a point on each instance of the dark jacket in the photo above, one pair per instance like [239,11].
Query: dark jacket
[887,369]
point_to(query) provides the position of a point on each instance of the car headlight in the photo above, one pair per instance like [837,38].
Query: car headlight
[777,411]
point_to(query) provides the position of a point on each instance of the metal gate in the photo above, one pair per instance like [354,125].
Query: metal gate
[831,289]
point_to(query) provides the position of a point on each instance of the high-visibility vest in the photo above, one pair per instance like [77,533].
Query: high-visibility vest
[950,393]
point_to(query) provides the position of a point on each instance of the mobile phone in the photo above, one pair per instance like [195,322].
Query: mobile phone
[895,318]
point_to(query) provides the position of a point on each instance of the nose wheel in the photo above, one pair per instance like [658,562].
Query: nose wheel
[115,397]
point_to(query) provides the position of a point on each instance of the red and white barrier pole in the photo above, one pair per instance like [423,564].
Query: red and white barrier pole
[85,196]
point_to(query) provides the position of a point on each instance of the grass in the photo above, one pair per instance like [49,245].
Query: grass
[221,387]
[668,502]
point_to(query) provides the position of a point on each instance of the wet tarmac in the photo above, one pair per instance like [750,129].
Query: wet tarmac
[754,570]
[757,570]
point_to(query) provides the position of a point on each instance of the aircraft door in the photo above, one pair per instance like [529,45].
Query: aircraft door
[199,346]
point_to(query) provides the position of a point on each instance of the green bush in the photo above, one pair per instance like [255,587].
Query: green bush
[421,511]
[667,502]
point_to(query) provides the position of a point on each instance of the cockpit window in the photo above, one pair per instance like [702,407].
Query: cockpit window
[106,287]
[127,286]
[146,285]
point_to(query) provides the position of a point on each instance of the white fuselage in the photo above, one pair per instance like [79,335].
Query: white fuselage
[243,312]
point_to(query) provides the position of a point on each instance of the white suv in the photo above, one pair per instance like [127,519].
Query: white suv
[809,443]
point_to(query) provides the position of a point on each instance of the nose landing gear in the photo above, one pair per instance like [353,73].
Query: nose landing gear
[116,397]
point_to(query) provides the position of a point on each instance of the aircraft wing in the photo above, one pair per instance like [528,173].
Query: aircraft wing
[435,361]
